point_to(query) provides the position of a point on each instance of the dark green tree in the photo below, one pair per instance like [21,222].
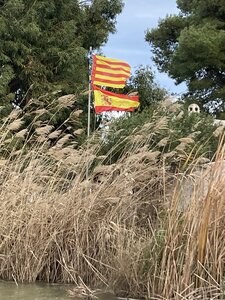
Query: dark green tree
[44,43]
[190,47]
[43,57]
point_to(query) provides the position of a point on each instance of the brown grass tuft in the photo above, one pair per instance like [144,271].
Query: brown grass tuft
[55,134]
[44,130]
[67,100]
[15,125]
[22,133]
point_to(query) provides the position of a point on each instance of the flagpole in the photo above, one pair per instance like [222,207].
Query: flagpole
[89,101]
[89,91]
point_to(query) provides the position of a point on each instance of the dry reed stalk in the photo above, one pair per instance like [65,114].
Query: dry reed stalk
[55,134]
[219,131]
[163,142]
[63,140]
[40,111]
[66,101]
[78,131]
[124,231]
[44,130]
[15,125]
[41,139]
[76,113]
[22,133]
[15,114]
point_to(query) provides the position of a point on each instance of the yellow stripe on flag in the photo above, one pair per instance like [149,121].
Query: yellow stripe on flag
[113,85]
[113,101]
[119,72]
[110,72]
[112,61]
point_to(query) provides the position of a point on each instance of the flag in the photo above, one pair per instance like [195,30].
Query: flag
[108,101]
[109,72]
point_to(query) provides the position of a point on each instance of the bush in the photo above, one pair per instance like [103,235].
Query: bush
[168,129]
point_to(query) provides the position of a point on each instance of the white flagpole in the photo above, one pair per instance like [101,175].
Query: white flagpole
[89,101]
[89,91]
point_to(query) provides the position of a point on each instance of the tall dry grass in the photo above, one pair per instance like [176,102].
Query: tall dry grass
[124,227]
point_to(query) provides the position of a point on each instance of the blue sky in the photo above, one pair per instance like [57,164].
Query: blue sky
[129,42]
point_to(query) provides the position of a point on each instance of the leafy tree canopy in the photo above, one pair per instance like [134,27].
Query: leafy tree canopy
[44,43]
[143,81]
[43,56]
[190,47]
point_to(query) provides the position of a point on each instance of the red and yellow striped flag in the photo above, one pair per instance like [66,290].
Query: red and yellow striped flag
[109,72]
[108,101]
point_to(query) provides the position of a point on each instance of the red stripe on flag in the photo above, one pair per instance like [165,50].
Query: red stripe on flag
[109,68]
[110,74]
[100,109]
[122,96]
[115,63]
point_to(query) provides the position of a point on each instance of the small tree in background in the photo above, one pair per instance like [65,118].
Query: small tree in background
[143,82]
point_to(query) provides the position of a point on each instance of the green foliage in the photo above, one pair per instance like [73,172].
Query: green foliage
[165,130]
[43,55]
[143,81]
[48,121]
[7,75]
[190,48]
[44,43]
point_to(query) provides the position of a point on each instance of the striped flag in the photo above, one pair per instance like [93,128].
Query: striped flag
[109,72]
[108,101]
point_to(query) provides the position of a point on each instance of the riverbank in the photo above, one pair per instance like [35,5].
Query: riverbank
[41,291]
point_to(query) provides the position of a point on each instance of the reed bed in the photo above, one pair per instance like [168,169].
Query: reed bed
[124,227]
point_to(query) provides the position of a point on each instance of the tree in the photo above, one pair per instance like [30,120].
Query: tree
[44,43]
[190,47]
[143,81]
[43,58]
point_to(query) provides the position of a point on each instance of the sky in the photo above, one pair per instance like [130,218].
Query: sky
[129,44]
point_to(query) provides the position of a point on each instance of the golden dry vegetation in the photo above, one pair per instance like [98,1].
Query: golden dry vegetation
[123,227]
